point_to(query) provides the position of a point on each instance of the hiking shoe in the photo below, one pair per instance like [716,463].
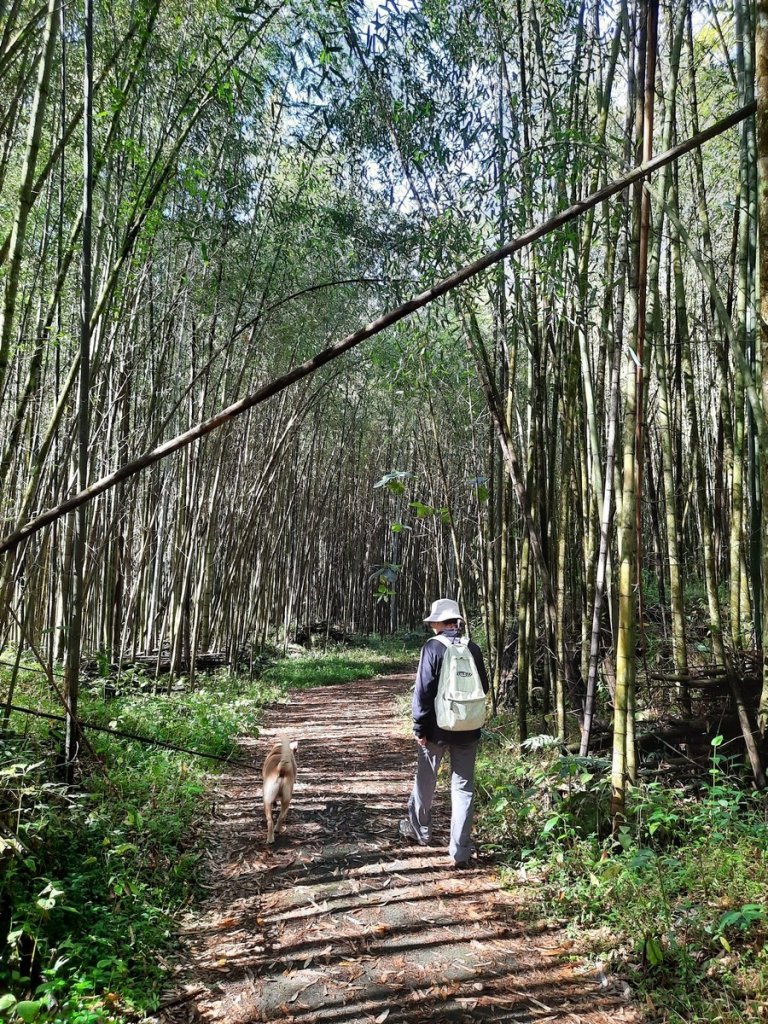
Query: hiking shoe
[459,865]
[407,831]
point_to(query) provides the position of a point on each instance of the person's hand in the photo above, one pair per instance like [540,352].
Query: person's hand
[421,740]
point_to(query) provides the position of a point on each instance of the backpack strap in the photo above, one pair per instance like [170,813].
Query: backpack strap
[443,640]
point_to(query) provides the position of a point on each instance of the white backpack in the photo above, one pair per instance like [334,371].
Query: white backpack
[460,700]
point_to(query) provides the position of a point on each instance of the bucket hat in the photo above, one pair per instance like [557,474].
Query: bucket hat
[443,610]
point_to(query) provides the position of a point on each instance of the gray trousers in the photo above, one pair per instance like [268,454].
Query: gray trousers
[462,794]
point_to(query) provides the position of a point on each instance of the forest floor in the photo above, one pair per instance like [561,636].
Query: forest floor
[341,921]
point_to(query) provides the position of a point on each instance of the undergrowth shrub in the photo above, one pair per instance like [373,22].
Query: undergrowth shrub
[676,900]
[93,877]
[532,801]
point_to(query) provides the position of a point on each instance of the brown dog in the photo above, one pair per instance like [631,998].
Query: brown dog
[279,774]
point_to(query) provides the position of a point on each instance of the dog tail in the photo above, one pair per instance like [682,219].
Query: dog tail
[286,755]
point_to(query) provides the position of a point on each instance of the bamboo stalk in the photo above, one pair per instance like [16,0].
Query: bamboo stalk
[384,321]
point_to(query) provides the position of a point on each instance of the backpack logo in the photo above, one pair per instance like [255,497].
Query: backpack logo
[460,700]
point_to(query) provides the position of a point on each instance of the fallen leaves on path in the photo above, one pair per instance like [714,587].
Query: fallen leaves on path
[340,922]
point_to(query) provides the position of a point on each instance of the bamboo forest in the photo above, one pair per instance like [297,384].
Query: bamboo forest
[329,330]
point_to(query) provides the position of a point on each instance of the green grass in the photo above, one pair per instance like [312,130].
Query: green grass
[94,878]
[342,664]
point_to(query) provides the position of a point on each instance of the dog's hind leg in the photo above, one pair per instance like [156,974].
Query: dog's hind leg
[285,803]
[270,823]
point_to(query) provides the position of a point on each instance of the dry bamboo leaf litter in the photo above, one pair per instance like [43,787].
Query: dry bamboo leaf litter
[382,928]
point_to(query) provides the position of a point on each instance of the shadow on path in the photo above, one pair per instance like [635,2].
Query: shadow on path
[341,922]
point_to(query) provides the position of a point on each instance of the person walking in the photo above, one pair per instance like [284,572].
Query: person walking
[445,621]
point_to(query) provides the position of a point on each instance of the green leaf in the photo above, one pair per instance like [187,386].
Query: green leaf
[393,480]
[48,897]
[653,951]
[123,848]
[612,870]
[643,858]
[422,510]
[753,910]
[7,1001]
[625,838]
[29,1009]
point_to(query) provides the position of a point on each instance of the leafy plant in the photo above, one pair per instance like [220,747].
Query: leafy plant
[92,879]
[676,897]
[741,920]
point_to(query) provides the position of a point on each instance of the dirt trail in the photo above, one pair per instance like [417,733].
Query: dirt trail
[341,922]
